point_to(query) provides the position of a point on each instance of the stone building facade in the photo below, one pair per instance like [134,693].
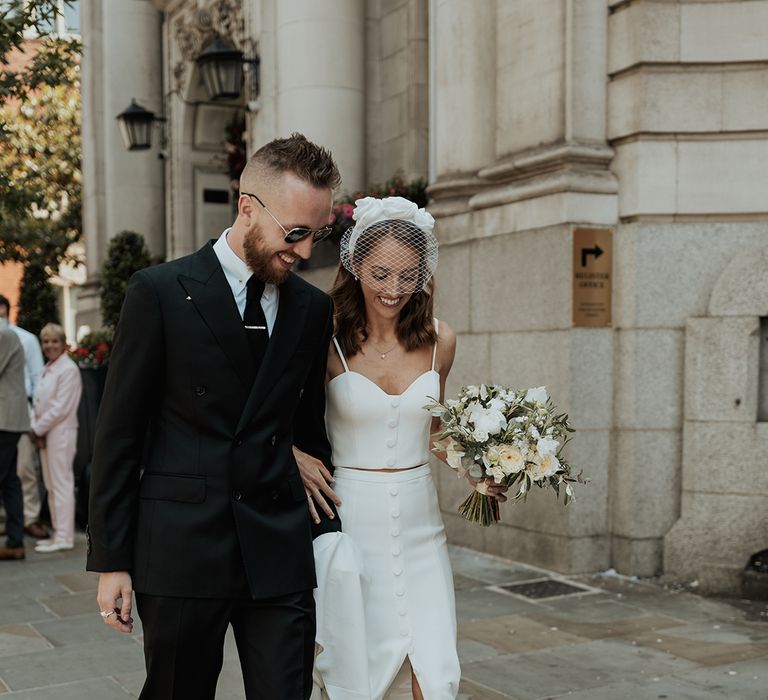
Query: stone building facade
[644,119]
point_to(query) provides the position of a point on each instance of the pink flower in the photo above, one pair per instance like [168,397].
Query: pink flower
[347,210]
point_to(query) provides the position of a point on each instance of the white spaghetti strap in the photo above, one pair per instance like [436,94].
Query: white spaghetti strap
[434,350]
[341,354]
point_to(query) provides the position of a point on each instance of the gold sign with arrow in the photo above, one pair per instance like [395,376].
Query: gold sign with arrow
[592,276]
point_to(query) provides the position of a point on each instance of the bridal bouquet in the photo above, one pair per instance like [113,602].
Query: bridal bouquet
[509,437]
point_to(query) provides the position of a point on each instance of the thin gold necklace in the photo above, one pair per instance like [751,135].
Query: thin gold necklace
[383,355]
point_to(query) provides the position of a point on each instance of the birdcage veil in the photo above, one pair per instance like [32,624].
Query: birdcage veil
[391,246]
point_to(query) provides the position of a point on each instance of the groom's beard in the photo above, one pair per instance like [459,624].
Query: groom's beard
[260,260]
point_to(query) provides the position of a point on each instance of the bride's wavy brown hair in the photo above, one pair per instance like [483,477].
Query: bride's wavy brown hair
[415,326]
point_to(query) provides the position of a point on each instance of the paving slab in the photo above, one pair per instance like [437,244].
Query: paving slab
[621,639]
[91,689]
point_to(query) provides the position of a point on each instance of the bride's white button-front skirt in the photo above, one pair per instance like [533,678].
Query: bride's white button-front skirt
[385,589]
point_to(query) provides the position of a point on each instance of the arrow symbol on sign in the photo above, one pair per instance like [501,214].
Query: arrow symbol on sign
[597,251]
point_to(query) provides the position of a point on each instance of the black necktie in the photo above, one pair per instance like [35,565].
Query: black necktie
[254,321]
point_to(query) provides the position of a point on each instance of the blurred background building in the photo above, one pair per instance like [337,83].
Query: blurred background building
[624,140]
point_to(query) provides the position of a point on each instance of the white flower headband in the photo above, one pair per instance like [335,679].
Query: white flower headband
[405,222]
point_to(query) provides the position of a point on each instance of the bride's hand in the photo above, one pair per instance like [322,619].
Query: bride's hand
[489,488]
[317,480]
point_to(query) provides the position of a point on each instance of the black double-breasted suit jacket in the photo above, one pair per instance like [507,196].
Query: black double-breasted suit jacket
[194,487]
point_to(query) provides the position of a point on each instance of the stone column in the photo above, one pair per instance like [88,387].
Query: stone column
[464,95]
[133,181]
[320,78]
[121,189]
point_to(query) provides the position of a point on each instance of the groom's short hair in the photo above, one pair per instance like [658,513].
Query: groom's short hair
[295,154]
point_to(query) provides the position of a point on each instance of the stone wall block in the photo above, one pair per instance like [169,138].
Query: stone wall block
[665,273]
[453,287]
[394,74]
[591,378]
[645,483]
[472,364]
[531,74]
[664,101]
[704,168]
[716,530]
[589,451]
[726,458]
[721,369]
[394,30]
[635,557]
[742,289]
[647,173]
[649,378]
[522,281]
[643,32]
[745,99]
[723,31]
[534,358]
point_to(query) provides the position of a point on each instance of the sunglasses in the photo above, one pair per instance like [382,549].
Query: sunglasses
[300,232]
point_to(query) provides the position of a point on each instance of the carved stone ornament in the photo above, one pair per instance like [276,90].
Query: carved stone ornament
[197,26]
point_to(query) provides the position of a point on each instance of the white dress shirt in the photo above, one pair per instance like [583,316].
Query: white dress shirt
[238,274]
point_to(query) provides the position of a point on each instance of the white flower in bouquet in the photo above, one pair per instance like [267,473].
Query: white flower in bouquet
[537,395]
[511,459]
[454,453]
[486,421]
[543,466]
[491,457]
[497,473]
[547,446]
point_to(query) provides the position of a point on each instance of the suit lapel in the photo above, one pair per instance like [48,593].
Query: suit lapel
[292,309]
[207,289]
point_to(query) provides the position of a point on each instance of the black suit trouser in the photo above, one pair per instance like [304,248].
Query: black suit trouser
[184,645]
[10,490]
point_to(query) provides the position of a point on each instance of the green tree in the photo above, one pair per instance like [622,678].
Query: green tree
[37,300]
[20,19]
[127,253]
[40,211]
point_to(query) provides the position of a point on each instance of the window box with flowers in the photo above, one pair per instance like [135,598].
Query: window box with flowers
[92,356]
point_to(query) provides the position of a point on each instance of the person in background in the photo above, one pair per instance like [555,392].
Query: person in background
[54,430]
[26,466]
[14,421]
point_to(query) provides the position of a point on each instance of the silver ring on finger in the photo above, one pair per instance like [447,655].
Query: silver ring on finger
[106,613]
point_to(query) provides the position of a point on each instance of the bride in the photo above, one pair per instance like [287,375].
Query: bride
[386,620]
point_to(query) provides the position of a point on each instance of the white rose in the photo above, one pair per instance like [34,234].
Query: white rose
[479,435]
[510,459]
[488,420]
[547,446]
[538,394]
[543,467]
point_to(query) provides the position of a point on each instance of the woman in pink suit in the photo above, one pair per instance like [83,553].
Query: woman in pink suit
[54,428]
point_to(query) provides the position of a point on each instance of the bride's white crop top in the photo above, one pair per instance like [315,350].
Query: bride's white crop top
[370,429]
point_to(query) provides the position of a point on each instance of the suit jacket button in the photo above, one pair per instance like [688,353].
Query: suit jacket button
[274,439]
[237,495]
[275,495]
[238,442]
[199,391]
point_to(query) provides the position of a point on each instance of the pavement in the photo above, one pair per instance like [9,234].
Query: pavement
[524,634]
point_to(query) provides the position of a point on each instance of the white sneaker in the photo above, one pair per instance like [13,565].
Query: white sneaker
[47,547]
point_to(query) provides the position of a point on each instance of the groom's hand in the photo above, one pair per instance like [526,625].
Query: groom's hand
[116,586]
[317,483]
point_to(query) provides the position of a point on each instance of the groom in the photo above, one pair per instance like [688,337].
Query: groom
[196,503]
